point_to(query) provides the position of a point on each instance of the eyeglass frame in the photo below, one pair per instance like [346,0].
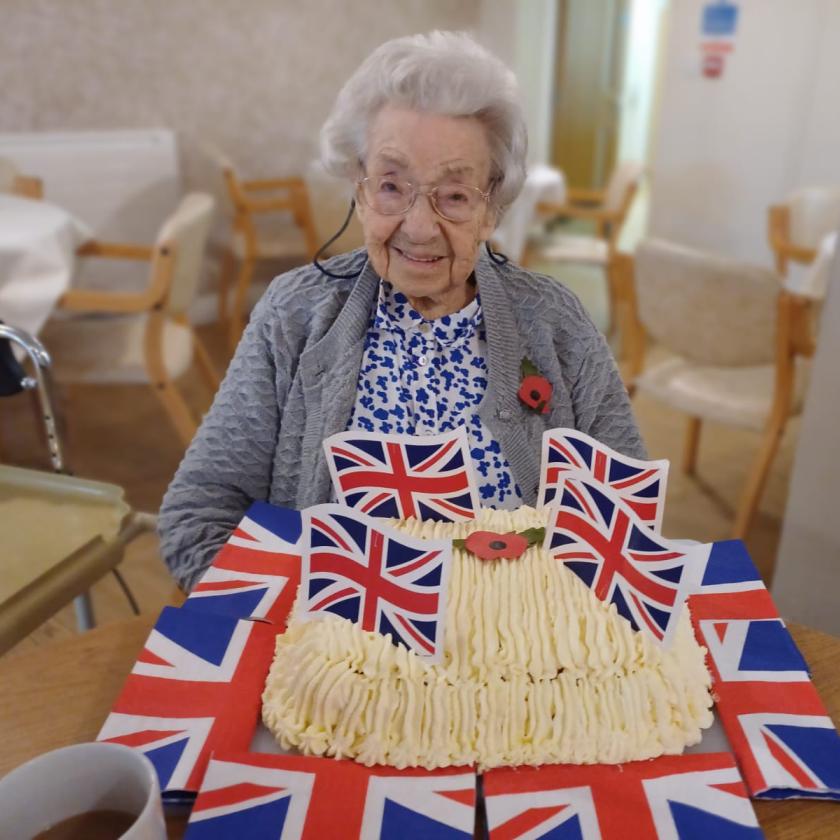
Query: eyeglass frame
[429,193]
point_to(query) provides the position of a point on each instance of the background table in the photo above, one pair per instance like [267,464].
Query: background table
[38,243]
[62,693]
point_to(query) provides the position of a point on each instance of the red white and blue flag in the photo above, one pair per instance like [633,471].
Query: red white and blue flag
[384,581]
[787,745]
[257,571]
[686,796]
[601,540]
[404,476]
[195,687]
[299,798]
[640,484]
[744,650]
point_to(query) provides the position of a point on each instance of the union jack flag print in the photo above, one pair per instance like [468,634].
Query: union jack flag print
[195,687]
[744,650]
[264,797]
[686,796]
[596,536]
[640,484]
[257,572]
[382,580]
[404,476]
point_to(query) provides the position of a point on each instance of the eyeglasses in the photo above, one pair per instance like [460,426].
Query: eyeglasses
[392,196]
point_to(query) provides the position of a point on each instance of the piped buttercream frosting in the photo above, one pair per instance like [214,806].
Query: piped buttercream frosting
[536,670]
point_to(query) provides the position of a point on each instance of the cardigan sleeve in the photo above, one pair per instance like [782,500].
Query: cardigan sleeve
[601,404]
[229,462]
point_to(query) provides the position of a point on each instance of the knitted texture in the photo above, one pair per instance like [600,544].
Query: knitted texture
[292,382]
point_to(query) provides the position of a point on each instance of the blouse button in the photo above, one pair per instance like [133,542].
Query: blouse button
[424,327]
[422,360]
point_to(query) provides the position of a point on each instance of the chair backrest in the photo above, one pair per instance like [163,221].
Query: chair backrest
[814,213]
[8,174]
[708,309]
[621,186]
[186,232]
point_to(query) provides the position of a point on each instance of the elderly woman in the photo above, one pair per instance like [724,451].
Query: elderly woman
[421,331]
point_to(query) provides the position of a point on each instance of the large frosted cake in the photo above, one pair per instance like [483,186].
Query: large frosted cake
[536,670]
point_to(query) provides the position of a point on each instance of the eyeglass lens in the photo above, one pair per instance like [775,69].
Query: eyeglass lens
[393,196]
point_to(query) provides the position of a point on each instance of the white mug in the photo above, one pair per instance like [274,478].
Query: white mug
[84,777]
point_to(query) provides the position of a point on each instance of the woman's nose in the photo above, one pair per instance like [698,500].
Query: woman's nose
[421,221]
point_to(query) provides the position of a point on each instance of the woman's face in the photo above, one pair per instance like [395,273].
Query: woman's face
[424,256]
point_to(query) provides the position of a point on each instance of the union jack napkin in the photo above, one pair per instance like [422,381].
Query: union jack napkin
[599,538]
[373,575]
[195,687]
[264,797]
[640,484]
[257,572]
[786,743]
[682,796]
[405,476]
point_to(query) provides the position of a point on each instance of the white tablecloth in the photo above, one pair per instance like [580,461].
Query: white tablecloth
[543,183]
[38,243]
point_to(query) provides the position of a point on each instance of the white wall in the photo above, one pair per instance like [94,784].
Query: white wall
[806,585]
[727,148]
[522,33]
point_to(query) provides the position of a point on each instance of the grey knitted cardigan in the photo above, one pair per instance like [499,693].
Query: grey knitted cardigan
[292,382]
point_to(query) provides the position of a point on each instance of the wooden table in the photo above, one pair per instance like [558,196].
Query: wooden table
[61,694]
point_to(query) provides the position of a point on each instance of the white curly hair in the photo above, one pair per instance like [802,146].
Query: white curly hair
[443,73]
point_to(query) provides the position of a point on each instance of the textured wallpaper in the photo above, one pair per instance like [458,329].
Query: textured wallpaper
[254,77]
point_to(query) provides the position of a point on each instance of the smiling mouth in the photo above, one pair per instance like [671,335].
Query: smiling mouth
[420,259]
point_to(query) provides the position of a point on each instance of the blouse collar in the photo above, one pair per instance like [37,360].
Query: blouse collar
[395,314]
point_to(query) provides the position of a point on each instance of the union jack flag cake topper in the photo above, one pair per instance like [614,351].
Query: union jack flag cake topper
[640,484]
[359,569]
[404,476]
[265,797]
[601,540]
[257,571]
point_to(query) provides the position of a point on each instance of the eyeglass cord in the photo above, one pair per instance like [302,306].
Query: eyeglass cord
[497,258]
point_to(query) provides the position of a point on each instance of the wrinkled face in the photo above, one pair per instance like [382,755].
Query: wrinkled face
[426,257]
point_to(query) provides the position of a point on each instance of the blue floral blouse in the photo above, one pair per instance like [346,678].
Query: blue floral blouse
[425,377]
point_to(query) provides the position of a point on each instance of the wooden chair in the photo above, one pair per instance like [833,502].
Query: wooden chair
[147,337]
[252,200]
[796,228]
[11,181]
[740,344]
[606,208]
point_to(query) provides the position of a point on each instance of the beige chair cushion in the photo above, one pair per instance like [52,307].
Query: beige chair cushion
[710,310]
[814,213]
[739,396]
[578,249]
[109,350]
[187,229]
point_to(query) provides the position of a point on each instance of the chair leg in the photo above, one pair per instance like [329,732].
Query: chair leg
[177,409]
[205,363]
[690,445]
[225,275]
[751,494]
[243,284]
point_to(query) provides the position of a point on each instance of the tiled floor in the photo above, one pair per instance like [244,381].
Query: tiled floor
[120,434]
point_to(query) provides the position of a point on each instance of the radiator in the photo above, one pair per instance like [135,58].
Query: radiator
[122,184]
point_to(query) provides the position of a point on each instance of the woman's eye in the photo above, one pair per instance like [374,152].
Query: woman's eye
[389,187]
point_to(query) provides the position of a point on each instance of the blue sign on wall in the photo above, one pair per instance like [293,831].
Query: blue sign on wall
[720,19]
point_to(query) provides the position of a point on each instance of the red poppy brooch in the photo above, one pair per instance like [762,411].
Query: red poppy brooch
[488,545]
[535,390]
